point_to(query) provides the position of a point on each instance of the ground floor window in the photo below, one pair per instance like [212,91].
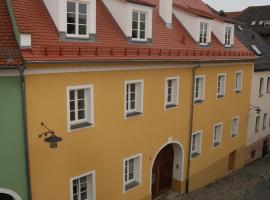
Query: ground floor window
[83,187]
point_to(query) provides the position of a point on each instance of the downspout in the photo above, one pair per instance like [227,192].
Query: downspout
[191,124]
[29,188]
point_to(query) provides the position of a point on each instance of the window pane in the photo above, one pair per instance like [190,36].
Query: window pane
[142,34]
[132,97]
[134,25]
[80,94]
[71,18]
[71,29]
[72,116]
[142,17]
[82,8]
[71,95]
[131,176]
[81,104]
[71,7]
[75,197]
[132,88]
[72,105]
[82,19]
[142,26]
[132,105]
[81,114]
[134,34]
[135,16]
[84,196]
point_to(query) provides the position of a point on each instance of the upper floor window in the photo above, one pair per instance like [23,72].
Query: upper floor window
[228,36]
[196,144]
[132,172]
[80,107]
[139,25]
[257,123]
[261,87]
[199,89]
[221,83]
[76,19]
[268,85]
[265,115]
[83,187]
[171,92]
[134,98]
[238,81]
[235,125]
[203,33]
[217,134]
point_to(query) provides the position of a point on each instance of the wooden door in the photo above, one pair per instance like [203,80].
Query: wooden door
[162,171]
[231,162]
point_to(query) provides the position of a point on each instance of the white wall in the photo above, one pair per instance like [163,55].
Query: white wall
[165,10]
[263,103]
[219,29]
[58,12]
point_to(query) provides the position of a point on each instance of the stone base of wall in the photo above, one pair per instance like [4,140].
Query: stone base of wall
[255,150]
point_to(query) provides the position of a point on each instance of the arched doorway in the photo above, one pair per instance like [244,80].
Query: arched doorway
[167,169]
[6,194]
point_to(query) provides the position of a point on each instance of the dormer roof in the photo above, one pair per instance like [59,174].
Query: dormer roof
[111,44]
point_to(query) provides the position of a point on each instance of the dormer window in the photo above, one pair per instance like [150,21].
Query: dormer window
[76,19]
[203,33]
[228,36]
[138,25]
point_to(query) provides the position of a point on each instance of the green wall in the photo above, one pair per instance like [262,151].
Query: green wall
[12,153]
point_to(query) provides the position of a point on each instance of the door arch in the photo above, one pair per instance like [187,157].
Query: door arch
[167,167]
[11,195]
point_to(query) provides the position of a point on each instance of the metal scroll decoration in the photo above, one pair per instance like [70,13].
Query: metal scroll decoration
[50,137]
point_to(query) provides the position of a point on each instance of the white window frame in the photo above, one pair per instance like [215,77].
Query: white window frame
[93,174]
[221,93]
[257,123]
[175,93]
[89,107]
[268,85]
[77,35]
[139,171]
[228,36]
[261,86]
[215,142]
[199,99]
[235,134]
[138,103]
[139,26]
[199,150]
[237,90]
[204,32]
[265,116]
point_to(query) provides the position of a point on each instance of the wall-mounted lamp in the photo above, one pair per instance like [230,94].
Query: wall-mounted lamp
[50,137]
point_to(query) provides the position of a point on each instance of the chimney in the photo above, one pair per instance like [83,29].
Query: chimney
[165,11]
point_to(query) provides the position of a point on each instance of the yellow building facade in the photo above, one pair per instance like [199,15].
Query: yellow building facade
[101,150]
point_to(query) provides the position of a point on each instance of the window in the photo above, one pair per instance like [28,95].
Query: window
[235,125]
[264,120]
[228,36]
[253,23]
[238,81]
[217,134]
[80,107]
[196,144]
[240,28]
[199,89]
[171,92]
[138,25]
[221,83]
[83,187]
[132,172]
[268,85]
[261,87]
[203,33]
[134,98]
[256,50]
[257,124]
[76,19]
[261,23]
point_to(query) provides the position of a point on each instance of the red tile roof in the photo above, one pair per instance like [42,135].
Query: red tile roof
[167,44]
[9,52]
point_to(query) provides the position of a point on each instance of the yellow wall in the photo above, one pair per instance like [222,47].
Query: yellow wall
[112,139]
[213,162]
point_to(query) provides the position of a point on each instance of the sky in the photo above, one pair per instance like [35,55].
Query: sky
[235,5]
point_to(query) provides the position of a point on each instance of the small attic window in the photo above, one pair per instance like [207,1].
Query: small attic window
[139,25]
[253,23]
[240,28]
[261,23]
[256,49]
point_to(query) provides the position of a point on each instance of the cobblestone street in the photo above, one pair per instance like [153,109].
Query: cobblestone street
[249,183]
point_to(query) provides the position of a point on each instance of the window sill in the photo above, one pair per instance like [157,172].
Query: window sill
[199,101]
[194,155]
[234,135]
[260,95]
[219,96]
[238,91]
[133,114]
[216,144]
[168,106]
[80,126]
[131,185]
